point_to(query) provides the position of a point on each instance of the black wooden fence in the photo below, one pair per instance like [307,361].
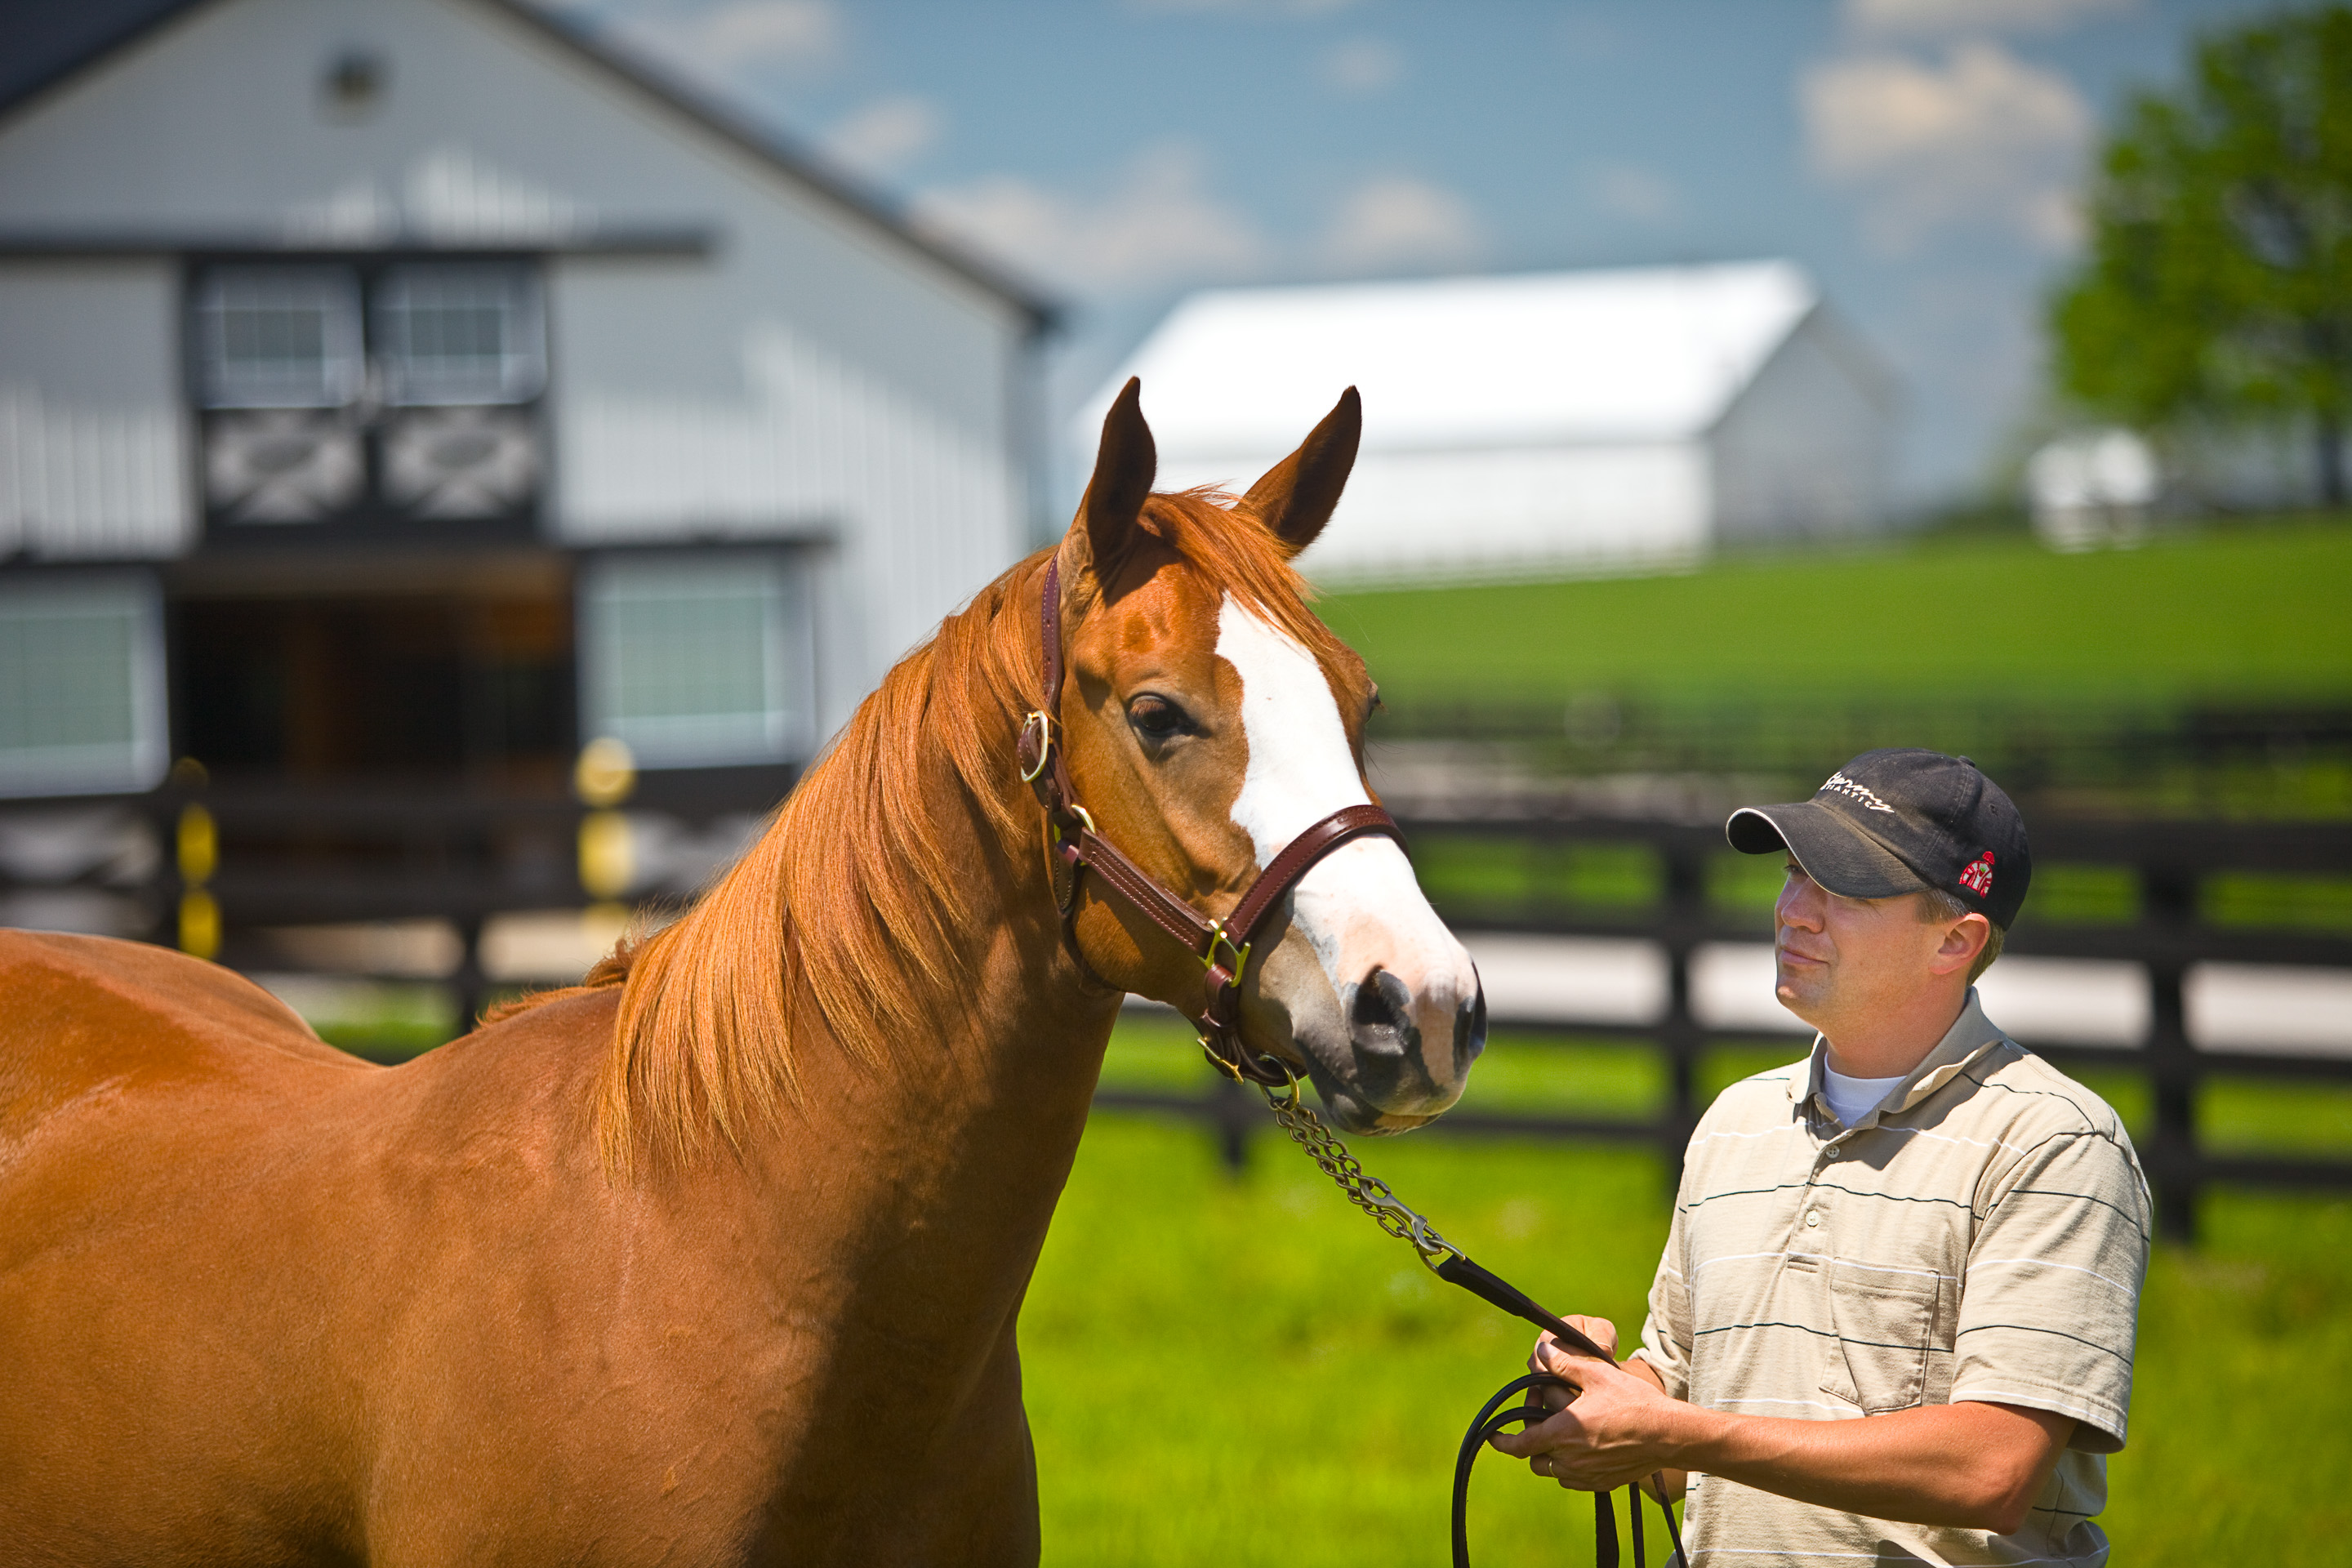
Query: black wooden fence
[287,857]
[2171,864]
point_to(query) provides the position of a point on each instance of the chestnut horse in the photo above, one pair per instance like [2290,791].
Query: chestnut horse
[715,1258]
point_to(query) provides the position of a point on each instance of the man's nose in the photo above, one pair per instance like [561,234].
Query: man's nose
[1800,904]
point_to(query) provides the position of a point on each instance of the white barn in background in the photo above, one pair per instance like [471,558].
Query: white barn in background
[322,319]
[1554,423]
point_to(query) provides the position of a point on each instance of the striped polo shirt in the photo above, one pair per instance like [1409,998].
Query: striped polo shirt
[1981,1234]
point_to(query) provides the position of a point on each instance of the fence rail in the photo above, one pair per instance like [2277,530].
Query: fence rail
[2168,860]
[287,858]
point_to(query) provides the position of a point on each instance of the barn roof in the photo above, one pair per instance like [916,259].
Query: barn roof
[1648,353]
[45,43]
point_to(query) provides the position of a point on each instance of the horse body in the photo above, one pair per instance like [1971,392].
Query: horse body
[418,1325]
[718,1259]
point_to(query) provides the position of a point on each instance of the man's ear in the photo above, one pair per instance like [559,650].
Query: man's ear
[1297,495]
[1124,462]
[1963,940]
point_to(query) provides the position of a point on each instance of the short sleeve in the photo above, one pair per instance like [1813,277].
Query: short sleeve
[1666,1327]
[2050,1306]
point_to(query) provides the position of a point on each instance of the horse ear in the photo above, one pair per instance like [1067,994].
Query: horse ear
[1124,465]
[1297,494]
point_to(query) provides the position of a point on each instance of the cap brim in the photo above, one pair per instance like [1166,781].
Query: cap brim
[1833,850]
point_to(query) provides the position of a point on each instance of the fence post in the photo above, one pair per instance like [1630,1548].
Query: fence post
[2168,902]
[1679,1034]
[1229,1113]
[469,986]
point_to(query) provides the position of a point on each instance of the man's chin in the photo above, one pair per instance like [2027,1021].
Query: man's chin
[1799,1000]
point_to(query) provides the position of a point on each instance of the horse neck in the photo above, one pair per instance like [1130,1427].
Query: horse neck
[936,1167]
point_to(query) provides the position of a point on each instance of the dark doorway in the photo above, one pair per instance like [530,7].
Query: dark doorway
[451,686]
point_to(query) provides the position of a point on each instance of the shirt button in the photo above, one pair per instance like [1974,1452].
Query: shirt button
[1812,1218]
[1831,1152]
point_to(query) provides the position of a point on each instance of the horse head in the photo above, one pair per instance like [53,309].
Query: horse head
[1208,719]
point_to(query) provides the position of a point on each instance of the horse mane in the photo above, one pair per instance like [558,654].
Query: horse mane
[846,917]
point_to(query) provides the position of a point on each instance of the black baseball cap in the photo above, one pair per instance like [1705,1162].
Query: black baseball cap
[1901,820]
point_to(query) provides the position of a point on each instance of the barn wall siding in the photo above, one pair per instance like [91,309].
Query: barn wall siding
[488,132]
[94,445]
[914,514]
[813,376]
[1806,450]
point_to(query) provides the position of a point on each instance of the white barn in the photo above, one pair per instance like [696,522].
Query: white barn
[1542,423]
[319,316]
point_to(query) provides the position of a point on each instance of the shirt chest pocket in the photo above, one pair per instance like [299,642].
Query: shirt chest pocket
[1885,1324]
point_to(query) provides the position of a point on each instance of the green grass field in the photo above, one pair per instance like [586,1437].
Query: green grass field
[1237,1372]
[2243,611]
[1240,1372]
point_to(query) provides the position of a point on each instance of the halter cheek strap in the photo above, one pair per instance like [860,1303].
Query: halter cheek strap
[1223,946]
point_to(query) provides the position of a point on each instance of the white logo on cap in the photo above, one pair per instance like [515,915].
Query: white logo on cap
[1863,793]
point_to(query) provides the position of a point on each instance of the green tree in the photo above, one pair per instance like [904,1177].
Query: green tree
[2218,282]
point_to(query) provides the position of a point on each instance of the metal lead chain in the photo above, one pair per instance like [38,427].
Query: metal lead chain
[1367,1192]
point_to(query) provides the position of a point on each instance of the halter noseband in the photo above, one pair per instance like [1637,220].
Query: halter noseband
[1223,946]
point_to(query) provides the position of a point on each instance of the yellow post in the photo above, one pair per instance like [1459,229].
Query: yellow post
[606,774]
[199,844]
[607,859]
[602,778]
[199,858]
[200,923]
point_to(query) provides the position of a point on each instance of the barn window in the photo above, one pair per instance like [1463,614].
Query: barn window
[374,391]
[698,662]
[459,334]
[81,686]
[278,337]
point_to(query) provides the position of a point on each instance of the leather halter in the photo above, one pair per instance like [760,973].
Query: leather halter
[1223,946]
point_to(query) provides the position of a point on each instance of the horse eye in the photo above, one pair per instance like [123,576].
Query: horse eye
[1156,718]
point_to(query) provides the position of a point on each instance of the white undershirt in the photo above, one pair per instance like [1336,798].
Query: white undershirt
[1851,1099]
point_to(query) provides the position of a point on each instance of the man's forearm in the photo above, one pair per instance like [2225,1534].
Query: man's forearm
[1971,1465]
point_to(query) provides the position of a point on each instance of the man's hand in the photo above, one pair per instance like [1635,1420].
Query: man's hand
[1622,1427]
[1975,1465]
[1599,1331]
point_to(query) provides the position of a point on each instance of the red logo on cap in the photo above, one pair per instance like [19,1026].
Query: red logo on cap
[1977,877]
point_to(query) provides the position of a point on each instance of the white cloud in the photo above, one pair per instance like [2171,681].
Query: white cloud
[1159,224]
[724,40]
[1986,138]
[881,139]
[1395,220]
[1936,17]
[1361,66]
[1629,190]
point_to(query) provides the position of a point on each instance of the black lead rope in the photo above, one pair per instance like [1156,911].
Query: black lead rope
[1454,1265]
[1493,1288]
[1604,1511]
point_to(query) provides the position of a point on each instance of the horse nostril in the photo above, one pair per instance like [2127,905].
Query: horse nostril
[1381,1016]
[1470,1030]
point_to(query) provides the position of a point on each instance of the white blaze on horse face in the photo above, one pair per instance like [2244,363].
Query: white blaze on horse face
[1359,907]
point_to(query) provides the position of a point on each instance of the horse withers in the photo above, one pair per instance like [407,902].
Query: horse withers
[716,1257]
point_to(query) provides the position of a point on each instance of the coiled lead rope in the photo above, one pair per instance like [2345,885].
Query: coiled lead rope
[1454,1265]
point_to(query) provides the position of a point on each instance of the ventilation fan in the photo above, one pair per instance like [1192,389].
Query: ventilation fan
[461,462]
[281,467]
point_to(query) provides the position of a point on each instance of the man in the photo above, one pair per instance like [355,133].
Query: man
[1894,1321]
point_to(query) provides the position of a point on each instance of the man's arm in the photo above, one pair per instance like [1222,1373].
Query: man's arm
[1976,1466]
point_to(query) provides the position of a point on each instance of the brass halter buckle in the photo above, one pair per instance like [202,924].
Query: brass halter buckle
[1218,938]
[1043,725]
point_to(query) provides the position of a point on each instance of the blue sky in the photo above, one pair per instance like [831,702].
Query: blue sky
[1919,157]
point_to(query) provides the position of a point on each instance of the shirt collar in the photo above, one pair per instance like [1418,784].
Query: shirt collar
[1970,1036]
